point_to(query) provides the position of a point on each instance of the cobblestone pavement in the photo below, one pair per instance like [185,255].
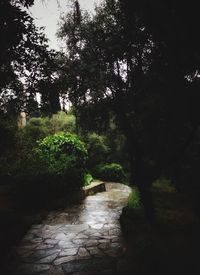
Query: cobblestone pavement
[82,239]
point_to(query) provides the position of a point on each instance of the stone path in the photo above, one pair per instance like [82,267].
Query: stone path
[82,239]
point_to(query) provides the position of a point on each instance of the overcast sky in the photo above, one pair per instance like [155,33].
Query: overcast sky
[47,13]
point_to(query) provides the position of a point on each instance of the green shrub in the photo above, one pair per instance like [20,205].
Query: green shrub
[27,137]
[134,211]
[134,201]
[87,179]
[65,155]
[110,172]
[134,207]
[98,149]
[56,171]
[118,150]
[40,127]
[62,122]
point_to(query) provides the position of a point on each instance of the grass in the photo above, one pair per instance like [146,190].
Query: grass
[171,245]
[87,179]
[134,200]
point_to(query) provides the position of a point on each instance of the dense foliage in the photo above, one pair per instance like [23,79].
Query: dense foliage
[98,149]
[25,62]
[129,61]
[110,172]
[63,152]
[131,72]
[34,160]
[54,169]
[40,127]
[88,178]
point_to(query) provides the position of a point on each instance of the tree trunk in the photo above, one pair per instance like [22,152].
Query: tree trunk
[54,102]
[147,201]
[140,177]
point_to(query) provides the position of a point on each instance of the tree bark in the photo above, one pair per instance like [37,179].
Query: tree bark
[147,201]
[141,178]
[141,175]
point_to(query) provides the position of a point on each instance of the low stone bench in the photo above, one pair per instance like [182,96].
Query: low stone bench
[93,188]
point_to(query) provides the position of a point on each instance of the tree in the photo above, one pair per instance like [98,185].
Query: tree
[107,64]
[174,27]
[139,66]
[24,58]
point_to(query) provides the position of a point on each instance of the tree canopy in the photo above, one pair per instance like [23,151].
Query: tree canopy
[141,61]
[135,63]
[25,58]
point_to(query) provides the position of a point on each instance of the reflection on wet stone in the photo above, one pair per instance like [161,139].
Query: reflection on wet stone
[81,239]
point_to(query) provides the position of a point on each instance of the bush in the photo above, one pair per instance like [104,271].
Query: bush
[132,213]
[40,127]
[36,129]
[55,172]
[64,155]
[98,149]
[27,137]
[134,201]
[118,148]
[62,122]
[110,172]
[87,179]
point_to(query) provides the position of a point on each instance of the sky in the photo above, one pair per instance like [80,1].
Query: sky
[47,13]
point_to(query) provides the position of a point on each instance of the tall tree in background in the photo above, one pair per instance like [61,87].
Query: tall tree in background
[70,72]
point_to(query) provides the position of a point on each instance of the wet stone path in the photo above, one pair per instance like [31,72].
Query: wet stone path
[82,239]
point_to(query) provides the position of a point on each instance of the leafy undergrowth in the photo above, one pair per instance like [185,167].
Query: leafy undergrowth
[171,245]
[87,179]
